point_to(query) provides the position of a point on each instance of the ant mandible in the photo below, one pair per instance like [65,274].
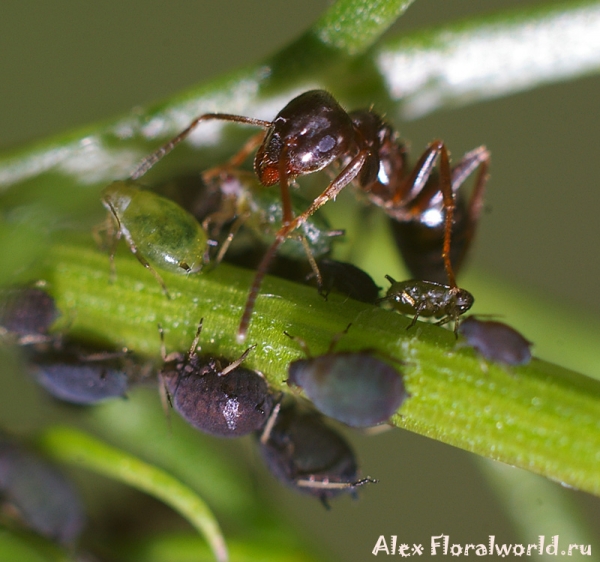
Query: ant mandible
[313,131]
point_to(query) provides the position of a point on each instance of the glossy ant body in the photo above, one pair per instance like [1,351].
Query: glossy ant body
[313,131]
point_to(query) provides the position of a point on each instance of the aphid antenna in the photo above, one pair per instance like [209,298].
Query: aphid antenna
[237,362]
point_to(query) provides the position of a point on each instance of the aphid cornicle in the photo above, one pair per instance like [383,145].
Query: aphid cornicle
[215,396]
[313,131]
[428,299]
[303,452]
[157,230]
[353,387]
[496,341]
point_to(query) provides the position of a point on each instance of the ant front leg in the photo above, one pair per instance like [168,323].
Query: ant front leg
[160,153]
[348,174]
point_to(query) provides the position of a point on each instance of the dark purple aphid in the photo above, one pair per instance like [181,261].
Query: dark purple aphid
[214,395]
[79,375]
[304,453]
[355,388]
[348,280]
[496,341]
[40,495]
[428,299]
[27,313]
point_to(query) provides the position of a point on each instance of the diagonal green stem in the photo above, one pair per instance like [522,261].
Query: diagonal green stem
[72,446]
[540,417]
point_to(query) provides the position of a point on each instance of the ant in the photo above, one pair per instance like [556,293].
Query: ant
[312,132]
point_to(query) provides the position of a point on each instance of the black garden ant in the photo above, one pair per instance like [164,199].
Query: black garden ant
[313,131]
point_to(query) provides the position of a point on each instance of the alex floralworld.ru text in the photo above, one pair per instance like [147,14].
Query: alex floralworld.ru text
[441,546]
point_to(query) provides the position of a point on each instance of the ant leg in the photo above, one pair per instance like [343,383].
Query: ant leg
[422,193]
[448,194]
[157,155]
[477,158]
[237,159]
[348,174]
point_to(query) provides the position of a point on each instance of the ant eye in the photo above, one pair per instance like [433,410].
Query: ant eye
[326,144]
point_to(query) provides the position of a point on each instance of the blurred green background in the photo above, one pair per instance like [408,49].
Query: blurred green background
[67,63]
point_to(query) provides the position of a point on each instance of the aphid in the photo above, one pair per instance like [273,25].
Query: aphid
[301,451]
[79,375]
[496,341]
[258,210]
[27,313]
[348,280]
[353,387]
[39,494]
[313,131]
[429,299]
[227,401]
[156,229]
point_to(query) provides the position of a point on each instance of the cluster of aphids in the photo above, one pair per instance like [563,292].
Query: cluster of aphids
[227,213]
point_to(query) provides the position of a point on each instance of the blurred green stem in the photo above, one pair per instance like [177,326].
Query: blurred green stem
[72,446]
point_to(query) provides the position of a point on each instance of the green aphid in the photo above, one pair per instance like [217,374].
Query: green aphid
[157,230]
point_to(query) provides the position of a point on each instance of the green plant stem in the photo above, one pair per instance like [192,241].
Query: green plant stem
[75,447]
[540,417]
[435,68]
[354,25]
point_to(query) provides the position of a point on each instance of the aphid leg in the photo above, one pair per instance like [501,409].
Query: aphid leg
[237,224]
[237,362]
[157,155]
[133,248]
[266,433]
[327,485]
[112,228]
[418,311]
[303,345]
[313,263]
[165,399]
[336,338]
[194,347]
[348,174]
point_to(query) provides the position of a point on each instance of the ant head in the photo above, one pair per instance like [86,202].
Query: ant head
[307,135]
